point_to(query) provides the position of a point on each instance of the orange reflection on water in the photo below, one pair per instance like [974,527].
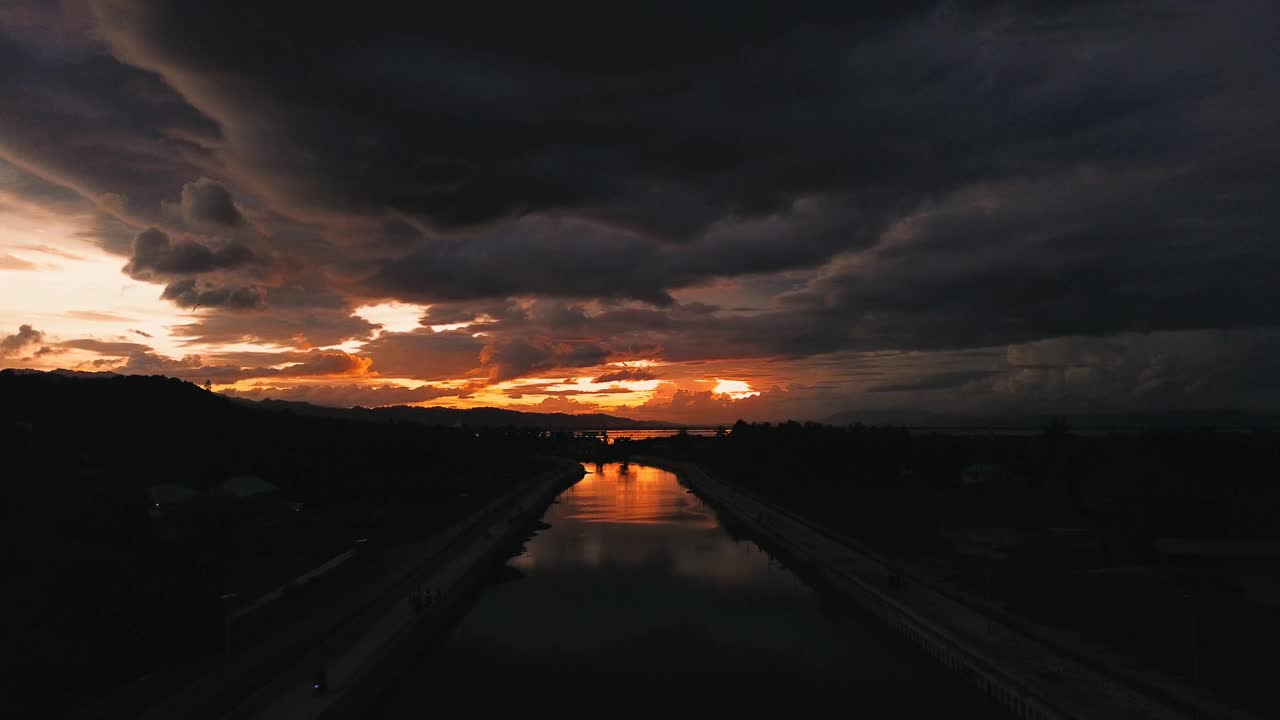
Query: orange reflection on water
[616,493]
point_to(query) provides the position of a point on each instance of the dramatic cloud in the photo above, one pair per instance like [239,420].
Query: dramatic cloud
[200,293]
[625,374]
[155,255]
[207,203]
[972,206]
[331,363]
[25,337]
[940,381]
[300,326]
[511,358]
[426,355]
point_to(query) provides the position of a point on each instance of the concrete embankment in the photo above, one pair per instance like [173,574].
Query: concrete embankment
[361,668]
[362,664]
[1029,678]
[354,638]
[369,668]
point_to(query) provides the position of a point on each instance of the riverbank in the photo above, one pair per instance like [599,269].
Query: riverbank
[362,663]
[358,599]
[1031,678]
[634,596]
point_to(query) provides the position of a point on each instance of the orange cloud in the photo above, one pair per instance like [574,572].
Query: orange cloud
[736,389]
[626,374]
[330,362]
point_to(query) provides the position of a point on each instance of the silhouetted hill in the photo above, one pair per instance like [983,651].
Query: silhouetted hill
[486,417]
[173,390]
[108,581]
[1156,420]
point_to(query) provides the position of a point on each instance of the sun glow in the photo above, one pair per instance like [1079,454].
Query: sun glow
[636,363]
[393,316]
[77,292]
[736,389]
[451,326]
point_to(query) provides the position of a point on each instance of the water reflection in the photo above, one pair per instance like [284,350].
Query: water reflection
[635,591]
[595,518]
[634,494]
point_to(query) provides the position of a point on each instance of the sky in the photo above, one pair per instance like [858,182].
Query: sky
[695,212]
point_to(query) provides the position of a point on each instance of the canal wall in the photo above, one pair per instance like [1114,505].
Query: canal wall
[367,652]
[385,656]
[1028,678]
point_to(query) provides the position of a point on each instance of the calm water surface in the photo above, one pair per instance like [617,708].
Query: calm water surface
[636,597]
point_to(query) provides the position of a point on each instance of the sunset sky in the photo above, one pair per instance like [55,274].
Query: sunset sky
[685,211]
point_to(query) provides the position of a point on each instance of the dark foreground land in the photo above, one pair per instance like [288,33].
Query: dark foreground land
[1159,548]
[123,534]
[635,596]
[142,512]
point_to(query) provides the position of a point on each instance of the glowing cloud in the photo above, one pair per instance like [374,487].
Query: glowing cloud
[393,316]
[736,389]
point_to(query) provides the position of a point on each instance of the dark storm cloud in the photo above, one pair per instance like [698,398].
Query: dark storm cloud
[205,202]
[156,255]
[62,26]
[446,313]
[194,293]
[82,121]
[1149,371]
[909,176]
[647,117]
[569,257]
[426,355]
[13,344]
[626,374]
[18,186]
[1082,254]
[452,117]
[757,140]
[940,381]
[510,358]
[294,320]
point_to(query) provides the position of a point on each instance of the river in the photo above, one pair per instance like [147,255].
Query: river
[637,598]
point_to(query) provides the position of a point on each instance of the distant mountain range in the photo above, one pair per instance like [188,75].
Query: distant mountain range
[469,417]
[66,381]
[485,417]
[1154,420]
